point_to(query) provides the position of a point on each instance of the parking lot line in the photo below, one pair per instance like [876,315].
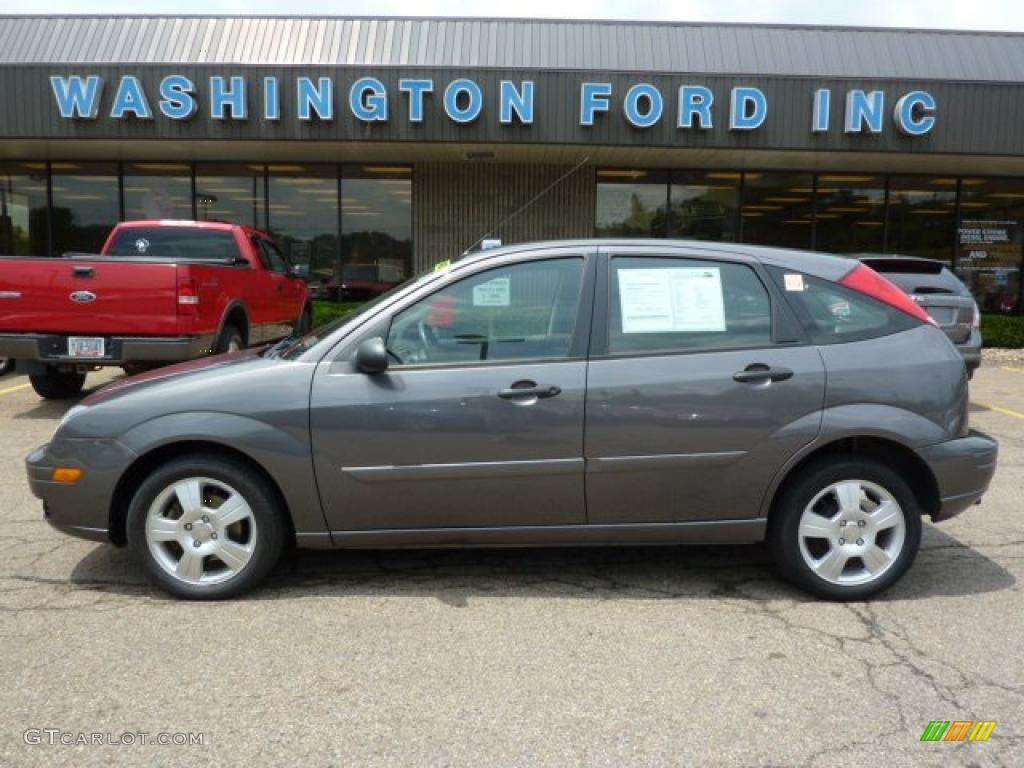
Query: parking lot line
[1011,368]
[999,409]
[14,389]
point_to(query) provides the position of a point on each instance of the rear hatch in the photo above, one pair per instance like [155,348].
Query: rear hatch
[935,289]
[88,296]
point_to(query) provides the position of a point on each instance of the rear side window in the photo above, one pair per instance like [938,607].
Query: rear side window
[176,243]
[666,305]
[832,313]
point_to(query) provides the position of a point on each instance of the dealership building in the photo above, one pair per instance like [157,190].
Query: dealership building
[380,146]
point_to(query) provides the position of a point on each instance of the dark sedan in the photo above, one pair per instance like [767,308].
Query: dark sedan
[589,392]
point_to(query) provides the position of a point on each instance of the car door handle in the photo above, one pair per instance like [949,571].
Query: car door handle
[760,372]
[523,390]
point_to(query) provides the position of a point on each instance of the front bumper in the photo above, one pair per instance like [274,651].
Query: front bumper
[51,348]
[81,509]
[963,469]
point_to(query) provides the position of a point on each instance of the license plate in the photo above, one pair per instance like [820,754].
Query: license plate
[942,315]
[87,347]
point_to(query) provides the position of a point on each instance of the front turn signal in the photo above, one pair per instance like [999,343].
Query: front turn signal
[67,475]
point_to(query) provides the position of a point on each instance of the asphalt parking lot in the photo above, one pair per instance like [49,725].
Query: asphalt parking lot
[611,657]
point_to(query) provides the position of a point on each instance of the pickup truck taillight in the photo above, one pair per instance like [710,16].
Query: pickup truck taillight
[188,297]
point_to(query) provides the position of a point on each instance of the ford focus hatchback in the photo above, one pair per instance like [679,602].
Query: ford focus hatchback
[592,392]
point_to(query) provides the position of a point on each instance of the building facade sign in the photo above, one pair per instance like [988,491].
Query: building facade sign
[461,100]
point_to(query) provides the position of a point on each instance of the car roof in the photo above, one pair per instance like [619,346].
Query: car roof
[219,226]
[825,265]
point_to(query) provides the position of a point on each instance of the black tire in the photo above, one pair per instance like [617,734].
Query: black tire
[788,510]
[229,336]
[57,385]
[305,324]
[6,364]
[269,534]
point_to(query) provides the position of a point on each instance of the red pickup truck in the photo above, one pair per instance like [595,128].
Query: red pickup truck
[158,292]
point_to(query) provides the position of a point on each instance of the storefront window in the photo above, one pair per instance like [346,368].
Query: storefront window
[778,209]
[989,241]
[704,206]
[921,216]
[23,210]
[231,193]
[157,191]
[303,207]
[376,229]
[86,205]
[850,213]
[631,203]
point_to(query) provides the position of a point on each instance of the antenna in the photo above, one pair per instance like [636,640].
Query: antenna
[528,203]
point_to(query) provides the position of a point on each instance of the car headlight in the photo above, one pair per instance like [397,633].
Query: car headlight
[68,415]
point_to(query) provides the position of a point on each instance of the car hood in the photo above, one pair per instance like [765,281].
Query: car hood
[203,366]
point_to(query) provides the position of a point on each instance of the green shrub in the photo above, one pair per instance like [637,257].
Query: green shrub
[327,311]
[1006,331]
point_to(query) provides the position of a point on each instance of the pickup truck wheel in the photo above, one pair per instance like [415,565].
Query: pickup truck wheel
[230,340]
[57,385]
[6,364]
[305,324]
[206,527]
[846,529]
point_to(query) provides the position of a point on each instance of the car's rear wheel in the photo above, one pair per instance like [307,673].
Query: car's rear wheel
[230,340]
[57,385]
[846,529]
[305,324]
[206,527]
[6,364]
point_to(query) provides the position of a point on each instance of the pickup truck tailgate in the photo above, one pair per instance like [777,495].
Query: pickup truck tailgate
[88,296]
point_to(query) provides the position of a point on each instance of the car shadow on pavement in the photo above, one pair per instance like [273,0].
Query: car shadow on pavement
[944,567]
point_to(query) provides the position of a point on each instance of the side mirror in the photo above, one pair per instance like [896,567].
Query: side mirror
[372,356]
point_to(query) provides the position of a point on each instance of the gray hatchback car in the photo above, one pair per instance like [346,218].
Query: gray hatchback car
[590,392]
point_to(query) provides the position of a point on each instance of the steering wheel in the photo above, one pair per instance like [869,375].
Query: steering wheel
[427,336]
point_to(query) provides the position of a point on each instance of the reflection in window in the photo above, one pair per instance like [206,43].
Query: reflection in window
[921,216]
[631,203]
[157,191]
[86,205]
[778,209]
[376,229]
[705,205]
[232,193]
[23,210]
[304,217]
[850,214]
[989,241]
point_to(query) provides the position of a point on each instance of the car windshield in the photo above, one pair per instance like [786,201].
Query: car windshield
[294,347]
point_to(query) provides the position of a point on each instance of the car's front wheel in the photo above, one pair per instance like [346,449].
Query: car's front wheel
[846,529]
[206,527]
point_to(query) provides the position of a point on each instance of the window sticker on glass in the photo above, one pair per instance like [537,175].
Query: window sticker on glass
[493,293]
[794,282]
[682,299]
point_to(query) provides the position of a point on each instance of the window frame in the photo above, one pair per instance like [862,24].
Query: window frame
[579,342]
[785,330]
